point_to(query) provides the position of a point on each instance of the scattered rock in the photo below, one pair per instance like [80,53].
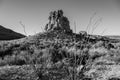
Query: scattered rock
[83,33]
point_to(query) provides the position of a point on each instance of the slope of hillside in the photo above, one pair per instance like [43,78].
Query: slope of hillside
[57,56]
[7,34]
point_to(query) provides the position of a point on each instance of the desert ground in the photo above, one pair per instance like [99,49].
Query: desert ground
[60,54]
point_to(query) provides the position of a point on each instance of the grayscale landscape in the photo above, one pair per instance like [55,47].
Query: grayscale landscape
[59,52]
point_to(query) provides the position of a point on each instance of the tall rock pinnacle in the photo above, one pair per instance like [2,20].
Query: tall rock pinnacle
[57,21]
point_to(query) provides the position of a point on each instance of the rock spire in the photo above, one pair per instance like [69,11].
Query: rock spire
[57,21]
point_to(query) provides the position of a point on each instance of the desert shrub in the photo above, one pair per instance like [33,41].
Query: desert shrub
[37,57]
[79,56]
[24,46]
[114,78]
[99,44]
[97,52]
[60,54]
[6,52]
[14,60]
[19,60]
[96,55]
[64,52]
[55,56]
[2,62]
[114,55]
[87,78]
[115,52]
[24,57]
[117,45]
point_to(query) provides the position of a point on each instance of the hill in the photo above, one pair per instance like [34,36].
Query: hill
[8,34]
[60,54]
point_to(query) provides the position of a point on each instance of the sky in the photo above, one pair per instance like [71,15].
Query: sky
[104,15]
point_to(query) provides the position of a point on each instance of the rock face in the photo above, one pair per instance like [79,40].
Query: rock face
[57,21]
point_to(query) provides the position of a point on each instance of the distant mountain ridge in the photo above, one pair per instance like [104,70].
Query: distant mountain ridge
[8,34]
[114,36]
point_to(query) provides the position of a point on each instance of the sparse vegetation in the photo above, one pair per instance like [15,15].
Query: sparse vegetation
[60,55]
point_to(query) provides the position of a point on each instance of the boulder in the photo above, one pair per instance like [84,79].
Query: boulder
[83,33]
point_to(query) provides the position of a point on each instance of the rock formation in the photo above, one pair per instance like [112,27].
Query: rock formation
[57,21]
